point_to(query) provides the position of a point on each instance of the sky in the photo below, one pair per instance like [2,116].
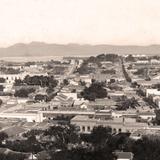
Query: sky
[117,22]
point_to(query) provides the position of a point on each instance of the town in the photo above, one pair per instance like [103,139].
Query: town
[105,106]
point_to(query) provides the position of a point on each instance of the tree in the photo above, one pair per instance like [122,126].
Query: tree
[1,102]
[3,136]
[41,97]
[157,119]
[83,154]
[2,80]
[23,92]
[100,135]
[82,83]
[127,103]
[96,90]
[65,82]
[12,156]
[130,58]
[147,148]
[63,135]
[1,87]
[18,82]
[43,81]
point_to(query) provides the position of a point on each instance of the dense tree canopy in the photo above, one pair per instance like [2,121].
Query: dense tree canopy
[100,144]
[23,92]
[2,80]
[127,103]
[43,81]
[130,58]
[95,90]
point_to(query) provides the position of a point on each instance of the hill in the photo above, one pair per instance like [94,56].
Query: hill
[44,49]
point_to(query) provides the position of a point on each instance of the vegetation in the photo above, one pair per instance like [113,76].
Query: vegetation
[127,77]
[64,142]
[43,81]
[41,97]
[12,156]
[130,58]
[2,80]
[127,103]
[65,82]
[23,92]
[85,69]
[9,70]
[111,71]
[1,87]
[95,90]
[140,71]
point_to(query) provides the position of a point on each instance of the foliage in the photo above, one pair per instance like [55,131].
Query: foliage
[41,97]
[63,135]
[12,156]
[82,83]
[127,103]
[147,148]
[65,82]
[130,58]
[100,135]
[157,119]
[140,71]
[3,136]
[127,77]
[23,92]
[18,82]
[84,154]
[9,70]
[1,87]
[95,90]
[85,69]
[43,81]
[2,80]
[108,71]
[1,102]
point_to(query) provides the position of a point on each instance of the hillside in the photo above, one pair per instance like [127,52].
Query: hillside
[44,49]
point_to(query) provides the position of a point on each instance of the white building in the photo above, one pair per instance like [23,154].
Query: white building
[155,92]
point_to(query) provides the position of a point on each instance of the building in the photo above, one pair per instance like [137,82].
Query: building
[155,92]
[86,124]
[124,155]
[147,115]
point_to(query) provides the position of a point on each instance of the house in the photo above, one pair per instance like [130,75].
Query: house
[31,157]
[124,155]
[155,92]
[87,123]
[128,113]
[101,103]
[147,115]
[116,95]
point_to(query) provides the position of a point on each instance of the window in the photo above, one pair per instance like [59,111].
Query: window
[83,128]
[120,130]
[114,130]
[88,129]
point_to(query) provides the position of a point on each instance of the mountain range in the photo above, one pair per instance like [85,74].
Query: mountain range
[44,49]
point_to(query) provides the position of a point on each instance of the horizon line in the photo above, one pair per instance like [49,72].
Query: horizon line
[80,44]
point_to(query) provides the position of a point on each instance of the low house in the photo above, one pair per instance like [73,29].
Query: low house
[87,123]
[124,155]
[116,95]
[147,115]
[155,92]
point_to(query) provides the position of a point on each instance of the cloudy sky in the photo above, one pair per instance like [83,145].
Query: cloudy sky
[123,22]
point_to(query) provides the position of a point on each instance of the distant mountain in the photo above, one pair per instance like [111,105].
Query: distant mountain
[44,49]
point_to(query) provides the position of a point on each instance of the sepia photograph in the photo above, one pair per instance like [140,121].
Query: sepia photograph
[79,80]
